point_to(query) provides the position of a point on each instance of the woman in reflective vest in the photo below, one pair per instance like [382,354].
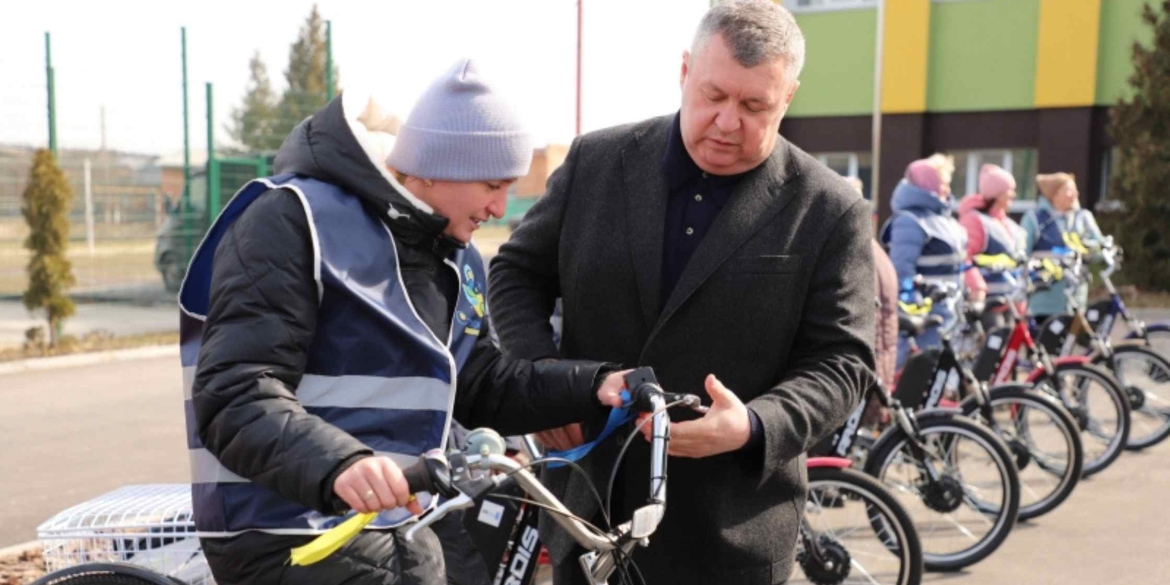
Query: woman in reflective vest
[924,240]
[1058,222]
[995,243]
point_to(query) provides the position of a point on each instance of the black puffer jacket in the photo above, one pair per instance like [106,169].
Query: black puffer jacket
[262,319]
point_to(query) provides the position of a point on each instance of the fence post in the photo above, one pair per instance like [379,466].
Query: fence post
[329,60]
[89,237]
[185,204]
[52,89]
[212,165]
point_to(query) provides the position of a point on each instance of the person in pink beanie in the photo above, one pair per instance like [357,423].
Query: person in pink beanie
[990,231]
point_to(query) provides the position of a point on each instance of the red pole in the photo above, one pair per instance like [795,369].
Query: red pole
[579,2]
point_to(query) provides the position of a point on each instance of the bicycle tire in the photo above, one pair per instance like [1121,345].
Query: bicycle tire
[879,498]
[1067,426]
[1138,443]
[105,574]
[1159,341]
[893,441]
[1094,465]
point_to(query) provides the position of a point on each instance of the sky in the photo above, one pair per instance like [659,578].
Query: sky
[125,55]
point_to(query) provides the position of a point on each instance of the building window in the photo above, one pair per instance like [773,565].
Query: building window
[851,164]
[1108,201]
[820,5]
[1020,162]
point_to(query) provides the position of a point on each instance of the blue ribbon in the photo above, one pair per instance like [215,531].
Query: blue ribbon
[617,418]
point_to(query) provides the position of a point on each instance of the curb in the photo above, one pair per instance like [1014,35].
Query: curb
[88,359]
[16,550]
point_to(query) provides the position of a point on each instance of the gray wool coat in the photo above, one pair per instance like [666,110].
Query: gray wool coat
[777,301]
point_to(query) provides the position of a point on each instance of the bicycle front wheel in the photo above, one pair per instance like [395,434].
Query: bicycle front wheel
[1096,401]
[105,574]
[1145,377]
[1043,438]
[958,482]
[860,533]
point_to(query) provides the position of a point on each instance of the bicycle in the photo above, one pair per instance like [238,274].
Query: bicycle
[1143,373]
[946,471]
[1040,433]
[845,506]
[1089,393]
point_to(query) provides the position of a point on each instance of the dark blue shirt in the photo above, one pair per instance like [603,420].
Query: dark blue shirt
[695,199]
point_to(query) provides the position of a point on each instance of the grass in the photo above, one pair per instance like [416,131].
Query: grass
[1147,300]
[113,262]
[92,342]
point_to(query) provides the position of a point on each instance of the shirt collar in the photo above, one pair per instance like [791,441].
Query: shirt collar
[679,168]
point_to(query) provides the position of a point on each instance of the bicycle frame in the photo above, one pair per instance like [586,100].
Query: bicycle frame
[1021,340]
[604,551]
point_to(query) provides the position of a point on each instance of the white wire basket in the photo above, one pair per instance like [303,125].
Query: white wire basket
[146,525]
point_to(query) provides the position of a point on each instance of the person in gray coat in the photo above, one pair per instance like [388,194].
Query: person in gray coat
[705,245]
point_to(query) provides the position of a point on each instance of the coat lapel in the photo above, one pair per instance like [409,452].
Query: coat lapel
[759,196]
[646,194]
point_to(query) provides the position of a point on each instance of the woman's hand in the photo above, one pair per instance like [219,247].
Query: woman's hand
[375,484]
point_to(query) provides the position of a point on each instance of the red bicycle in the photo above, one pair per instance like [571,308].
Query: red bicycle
[1091,394]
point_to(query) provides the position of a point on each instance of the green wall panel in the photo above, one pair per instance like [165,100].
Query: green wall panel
[982,55]
[838,72]
[1121,25]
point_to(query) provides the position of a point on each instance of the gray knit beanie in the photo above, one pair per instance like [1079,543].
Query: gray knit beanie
[462,130]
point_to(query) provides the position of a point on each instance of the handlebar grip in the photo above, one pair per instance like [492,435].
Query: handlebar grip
[418,477]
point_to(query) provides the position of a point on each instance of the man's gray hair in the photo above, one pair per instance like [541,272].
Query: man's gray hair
[756,31]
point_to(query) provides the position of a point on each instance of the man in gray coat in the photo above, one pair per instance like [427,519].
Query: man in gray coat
[706,246]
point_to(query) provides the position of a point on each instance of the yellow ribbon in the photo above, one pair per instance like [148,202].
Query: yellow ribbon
[328,543]
[1073,242]
[1053,269]
[915,310]
[995,262]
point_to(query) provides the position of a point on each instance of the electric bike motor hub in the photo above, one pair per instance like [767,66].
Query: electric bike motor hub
[832,568]
[943,495]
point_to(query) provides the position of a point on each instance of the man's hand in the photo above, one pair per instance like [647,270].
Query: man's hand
[726,426]
[562,439]
[610,391]
[374,484]
[569,436]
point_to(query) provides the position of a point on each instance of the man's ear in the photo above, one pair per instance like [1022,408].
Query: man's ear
[791,93]
[686,62]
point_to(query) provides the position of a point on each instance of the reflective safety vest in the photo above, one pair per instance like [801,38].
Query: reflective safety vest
[1007,240]
[374,368]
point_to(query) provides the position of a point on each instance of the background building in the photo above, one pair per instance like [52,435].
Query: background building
[1025,84]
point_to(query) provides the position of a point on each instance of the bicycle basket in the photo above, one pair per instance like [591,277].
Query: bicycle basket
[146,525]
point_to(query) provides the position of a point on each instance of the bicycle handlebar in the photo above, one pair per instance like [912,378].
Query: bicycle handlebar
[455,478]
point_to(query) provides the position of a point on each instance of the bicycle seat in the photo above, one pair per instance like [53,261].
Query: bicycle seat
[996,302]
[917,325]
[975,309]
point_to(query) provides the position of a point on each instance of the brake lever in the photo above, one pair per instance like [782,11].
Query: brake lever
[457,503]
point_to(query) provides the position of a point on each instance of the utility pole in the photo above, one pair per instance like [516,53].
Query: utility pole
[579,29]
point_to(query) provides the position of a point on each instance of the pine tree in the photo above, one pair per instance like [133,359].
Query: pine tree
[305,75]
[46,203]
[253,121]
[1140,128]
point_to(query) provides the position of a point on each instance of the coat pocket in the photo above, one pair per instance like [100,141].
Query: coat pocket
[766,264]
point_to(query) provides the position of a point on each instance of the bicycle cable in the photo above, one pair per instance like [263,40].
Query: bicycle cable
[578,469]
[586,523]
[629,440]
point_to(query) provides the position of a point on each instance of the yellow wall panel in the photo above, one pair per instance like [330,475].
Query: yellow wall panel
[905,48]
[1066,56]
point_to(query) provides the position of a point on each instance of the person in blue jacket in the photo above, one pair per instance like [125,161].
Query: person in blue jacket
[1050,227]
[925,240]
